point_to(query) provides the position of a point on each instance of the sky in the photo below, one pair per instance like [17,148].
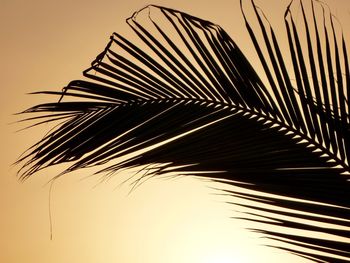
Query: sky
[45,45]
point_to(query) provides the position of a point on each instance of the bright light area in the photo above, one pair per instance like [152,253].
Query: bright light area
[220,259]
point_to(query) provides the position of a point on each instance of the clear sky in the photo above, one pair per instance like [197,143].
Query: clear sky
[44,45]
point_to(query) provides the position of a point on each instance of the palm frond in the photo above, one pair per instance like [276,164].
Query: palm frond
[188,99]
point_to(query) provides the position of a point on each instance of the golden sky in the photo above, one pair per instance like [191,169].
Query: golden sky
[45,44]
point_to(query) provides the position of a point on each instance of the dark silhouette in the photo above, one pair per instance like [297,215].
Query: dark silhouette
[190,102]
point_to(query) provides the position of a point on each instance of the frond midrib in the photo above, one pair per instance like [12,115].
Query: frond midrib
[265,116]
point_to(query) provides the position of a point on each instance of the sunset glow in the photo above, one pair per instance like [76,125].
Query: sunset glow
[169,219]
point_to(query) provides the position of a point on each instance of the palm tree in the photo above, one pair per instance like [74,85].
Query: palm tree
[188,101]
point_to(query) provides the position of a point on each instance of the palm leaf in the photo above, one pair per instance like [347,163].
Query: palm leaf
[186,100]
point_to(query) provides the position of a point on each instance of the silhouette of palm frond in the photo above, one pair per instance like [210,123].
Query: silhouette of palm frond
[190,102]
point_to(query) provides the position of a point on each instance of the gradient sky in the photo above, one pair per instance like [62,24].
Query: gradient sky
[45,44]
